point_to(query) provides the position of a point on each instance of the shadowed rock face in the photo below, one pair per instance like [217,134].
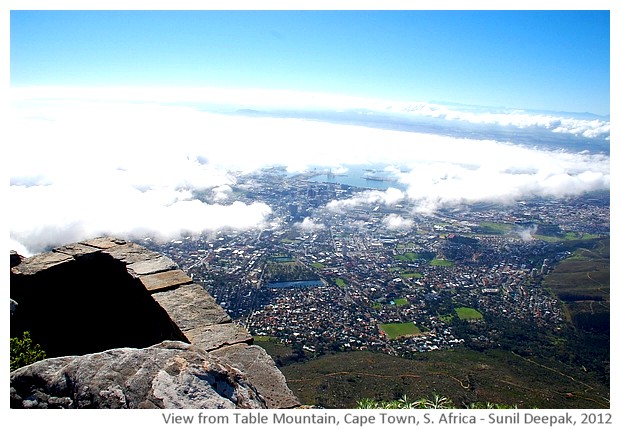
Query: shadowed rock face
[168,375]
[126,308]
[15,259]
[88,304]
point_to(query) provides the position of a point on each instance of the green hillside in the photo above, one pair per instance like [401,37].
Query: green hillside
[465,376]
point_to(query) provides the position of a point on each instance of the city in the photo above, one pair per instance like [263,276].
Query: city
[325,279]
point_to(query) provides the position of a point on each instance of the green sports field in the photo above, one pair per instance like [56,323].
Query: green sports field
[466,313]
[395,330]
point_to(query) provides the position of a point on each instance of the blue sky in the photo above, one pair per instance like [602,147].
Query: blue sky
[548,60]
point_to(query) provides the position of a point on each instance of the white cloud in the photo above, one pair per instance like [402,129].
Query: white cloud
[505,175]
[44,216]
[388,197]
[558,123]
[297,100]
[222,193]
[397,222]
[449,172]
[80,168]
[309,225]
[526,233]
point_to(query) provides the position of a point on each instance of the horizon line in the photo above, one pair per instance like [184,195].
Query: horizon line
[290,98]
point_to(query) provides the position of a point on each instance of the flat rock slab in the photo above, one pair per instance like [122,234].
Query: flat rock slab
[190,307]
[77,249]
[41,262]
[104,242]
[168,375]
[261,372]
[130,253]
[152,266]
[213,337]
[164,281]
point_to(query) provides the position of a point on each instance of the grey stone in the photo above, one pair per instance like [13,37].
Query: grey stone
[41,262]
[213,337]
[76,249]
[151,266]
[190,307]
[219,370]
[104,242]
[165,280]
[87,305]
[131,253]
[262,373]
[168,375]
[16,258]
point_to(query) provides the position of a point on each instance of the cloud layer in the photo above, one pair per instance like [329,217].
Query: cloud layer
[80,168]
[557,123]
[582,125]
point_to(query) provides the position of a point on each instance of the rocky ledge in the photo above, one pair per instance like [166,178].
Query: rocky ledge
[126,328]
[171,374]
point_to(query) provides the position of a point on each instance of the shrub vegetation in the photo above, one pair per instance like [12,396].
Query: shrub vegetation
[24,351]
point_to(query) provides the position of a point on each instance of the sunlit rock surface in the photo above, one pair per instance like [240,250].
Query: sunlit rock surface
[119,302]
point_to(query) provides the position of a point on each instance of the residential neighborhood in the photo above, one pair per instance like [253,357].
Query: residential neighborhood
[355,272]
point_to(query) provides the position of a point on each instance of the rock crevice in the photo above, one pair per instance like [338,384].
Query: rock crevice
[123,306]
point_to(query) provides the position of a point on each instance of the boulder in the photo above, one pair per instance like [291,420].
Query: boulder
[262,373]
[171,374]
[211,337]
